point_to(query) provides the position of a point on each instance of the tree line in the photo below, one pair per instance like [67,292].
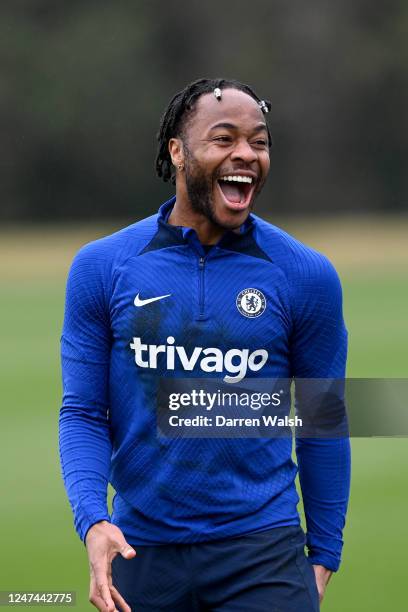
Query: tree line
[83,85]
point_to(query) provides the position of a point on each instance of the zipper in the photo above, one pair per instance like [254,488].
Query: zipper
[201,267]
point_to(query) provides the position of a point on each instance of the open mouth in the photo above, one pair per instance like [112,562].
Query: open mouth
[236,190]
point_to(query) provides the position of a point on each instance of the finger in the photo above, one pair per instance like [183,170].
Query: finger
[104,592]
[100,575]
[321,594]
[119,600]
[127,551]
[99,603]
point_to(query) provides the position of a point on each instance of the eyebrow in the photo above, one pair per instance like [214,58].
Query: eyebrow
[230,126]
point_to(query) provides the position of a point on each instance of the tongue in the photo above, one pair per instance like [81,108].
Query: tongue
[232,192]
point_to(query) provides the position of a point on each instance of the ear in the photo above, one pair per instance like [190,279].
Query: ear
[176,151]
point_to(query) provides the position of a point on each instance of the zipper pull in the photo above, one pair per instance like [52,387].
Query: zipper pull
[201,262]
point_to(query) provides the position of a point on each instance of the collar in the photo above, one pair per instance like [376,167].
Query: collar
[167,235]
[188,232]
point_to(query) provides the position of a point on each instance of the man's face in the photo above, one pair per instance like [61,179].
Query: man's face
[226,157]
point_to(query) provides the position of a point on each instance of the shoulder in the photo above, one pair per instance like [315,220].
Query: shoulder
[91,275]
[106,253]
[301,264]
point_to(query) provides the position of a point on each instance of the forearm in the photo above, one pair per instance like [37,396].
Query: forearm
[324,472]
[85,453]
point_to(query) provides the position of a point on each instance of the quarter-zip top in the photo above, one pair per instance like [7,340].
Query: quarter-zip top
[148,304]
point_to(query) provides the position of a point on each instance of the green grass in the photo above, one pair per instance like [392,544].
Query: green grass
[40,549]
[375,310]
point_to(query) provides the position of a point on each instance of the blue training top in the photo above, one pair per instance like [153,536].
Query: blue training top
[191,490]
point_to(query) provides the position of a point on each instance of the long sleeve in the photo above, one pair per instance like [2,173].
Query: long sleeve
[85,446]
[319,350]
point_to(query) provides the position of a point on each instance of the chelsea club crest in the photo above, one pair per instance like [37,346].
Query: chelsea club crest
[251,303]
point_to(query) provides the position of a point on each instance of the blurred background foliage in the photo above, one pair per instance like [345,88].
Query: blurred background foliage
[83,84]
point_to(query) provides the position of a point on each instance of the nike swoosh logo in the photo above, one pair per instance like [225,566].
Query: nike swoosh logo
[139,302]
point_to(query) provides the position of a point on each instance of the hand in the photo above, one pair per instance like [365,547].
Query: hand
[322,575]
[103,542]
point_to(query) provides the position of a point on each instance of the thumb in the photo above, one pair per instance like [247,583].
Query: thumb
[127,551]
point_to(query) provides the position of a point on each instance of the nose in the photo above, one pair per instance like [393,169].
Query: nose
[244,152]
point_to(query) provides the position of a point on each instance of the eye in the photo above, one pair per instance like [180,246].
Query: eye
[223,139]
[261,143]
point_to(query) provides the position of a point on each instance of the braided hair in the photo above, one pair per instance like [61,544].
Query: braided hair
[180,109]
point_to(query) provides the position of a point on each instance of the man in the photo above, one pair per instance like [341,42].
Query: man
[210,523]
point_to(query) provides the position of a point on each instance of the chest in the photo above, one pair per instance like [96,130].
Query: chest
[177,308]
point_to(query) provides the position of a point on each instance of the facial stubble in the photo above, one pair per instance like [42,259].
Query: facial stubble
[200,190]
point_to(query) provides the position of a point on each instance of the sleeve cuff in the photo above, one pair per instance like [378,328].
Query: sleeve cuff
[86,525]
[322,558]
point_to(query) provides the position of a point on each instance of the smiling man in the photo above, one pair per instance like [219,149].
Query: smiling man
[222,160]
[202,289]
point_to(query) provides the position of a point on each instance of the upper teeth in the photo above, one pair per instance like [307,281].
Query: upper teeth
[238,178]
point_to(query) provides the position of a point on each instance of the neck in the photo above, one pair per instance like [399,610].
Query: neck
[184,215]
[207,231]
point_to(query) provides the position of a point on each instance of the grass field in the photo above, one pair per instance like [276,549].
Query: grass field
[40,549]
